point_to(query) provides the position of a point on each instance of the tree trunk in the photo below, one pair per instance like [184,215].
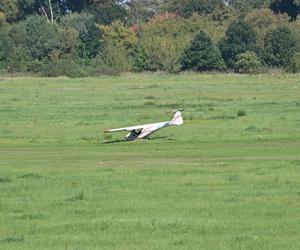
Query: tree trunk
[51,11]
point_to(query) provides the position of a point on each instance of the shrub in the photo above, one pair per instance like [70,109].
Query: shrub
[80,196]
[294,66]
[247,63]
[111,61]
[280,46]
[62,68]
[5,179]
[202,55]
[241,112]
[18,60]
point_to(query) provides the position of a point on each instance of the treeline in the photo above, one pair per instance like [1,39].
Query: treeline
[89,37]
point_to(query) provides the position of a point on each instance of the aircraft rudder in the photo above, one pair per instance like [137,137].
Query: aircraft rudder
[177,119]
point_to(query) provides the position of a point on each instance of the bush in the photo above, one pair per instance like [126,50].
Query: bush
[111,61]
[241,112]
[18,60]
[202,55]
[63,68]
[280,46]
[247,63]
[294,66]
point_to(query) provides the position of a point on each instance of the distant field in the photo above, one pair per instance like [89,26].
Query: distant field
[229,178]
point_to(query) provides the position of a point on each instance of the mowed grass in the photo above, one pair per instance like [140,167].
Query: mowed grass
[228,178]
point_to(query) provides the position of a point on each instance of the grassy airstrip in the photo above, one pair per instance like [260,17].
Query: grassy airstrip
[229,178]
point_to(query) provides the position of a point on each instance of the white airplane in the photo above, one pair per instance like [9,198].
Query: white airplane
[144,131]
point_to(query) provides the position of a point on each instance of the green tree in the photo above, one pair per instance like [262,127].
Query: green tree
[13,54]
[67,6]
[291,7]
[245,6]
[107,11]
[2,18]
[45,40]
[50,9]
[119,46]
[119,35]
[142,10]
[186,8]
[9,10]
[202,55]
[161,42]
[32,43]
[89,35]
[239,38]
[263,20]
[295,28]
[156,53]
[5,46]
[280,46]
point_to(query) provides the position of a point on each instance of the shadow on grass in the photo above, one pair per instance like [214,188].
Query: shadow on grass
[13,238]
[115,141]
[148,139]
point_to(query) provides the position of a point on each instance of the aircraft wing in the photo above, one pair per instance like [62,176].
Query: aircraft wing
[126,128]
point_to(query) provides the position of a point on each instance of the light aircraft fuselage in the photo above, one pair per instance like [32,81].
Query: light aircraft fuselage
[145,130]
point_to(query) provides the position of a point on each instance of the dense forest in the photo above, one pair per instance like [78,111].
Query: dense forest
[92,37]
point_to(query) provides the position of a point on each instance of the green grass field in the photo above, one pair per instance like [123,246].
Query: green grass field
[219,181]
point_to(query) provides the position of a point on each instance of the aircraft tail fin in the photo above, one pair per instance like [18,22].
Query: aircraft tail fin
[177,119]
